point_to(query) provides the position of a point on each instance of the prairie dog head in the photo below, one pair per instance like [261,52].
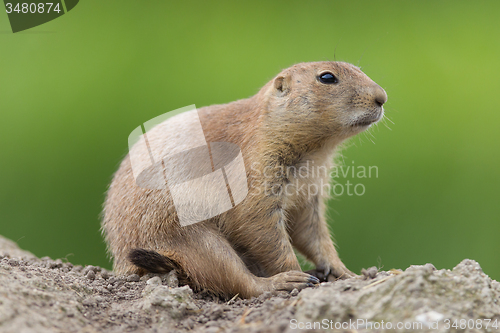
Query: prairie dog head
[322,100]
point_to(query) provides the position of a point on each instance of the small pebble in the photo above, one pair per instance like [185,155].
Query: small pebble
[90,275]
[88,269]
[216,312]
[89,301]
[77,268]
[13,262]
[56,264]
[283,294]
[133,278]
[430,267]
[100,299]
[103,290]
[172,280]
[189,323]
[265,295]
[370,273]
[105,274]
[154,281]
[146,277]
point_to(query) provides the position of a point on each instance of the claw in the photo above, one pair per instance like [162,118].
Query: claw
[313,279]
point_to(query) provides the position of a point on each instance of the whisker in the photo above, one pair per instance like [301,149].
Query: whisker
[389,120]
[390,129]
[335,50]
[362,54]
[370,133]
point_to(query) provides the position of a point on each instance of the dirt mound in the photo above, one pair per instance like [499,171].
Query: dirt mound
[45,295]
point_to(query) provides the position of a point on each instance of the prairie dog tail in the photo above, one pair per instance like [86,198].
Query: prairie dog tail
[152,261]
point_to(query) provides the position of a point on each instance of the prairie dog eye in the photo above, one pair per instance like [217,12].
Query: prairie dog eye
[328,78]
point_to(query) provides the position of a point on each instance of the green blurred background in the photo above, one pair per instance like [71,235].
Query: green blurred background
[73,89]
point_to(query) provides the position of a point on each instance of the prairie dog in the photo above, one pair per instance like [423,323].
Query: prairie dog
[297,119]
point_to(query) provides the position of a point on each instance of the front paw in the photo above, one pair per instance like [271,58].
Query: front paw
[329,274]
[340,273]
[319,273]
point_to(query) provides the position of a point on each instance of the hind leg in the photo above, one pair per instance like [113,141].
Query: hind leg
[210,262]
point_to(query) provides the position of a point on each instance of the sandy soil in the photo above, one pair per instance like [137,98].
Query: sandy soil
[45,295]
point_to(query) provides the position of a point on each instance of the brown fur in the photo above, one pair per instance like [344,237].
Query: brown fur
[293,121]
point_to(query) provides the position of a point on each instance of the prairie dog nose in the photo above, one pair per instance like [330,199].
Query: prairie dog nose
[380,95]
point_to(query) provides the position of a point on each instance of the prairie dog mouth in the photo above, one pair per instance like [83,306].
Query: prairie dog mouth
[368,120]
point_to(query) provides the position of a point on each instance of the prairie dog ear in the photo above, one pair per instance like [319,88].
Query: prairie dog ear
[283,84]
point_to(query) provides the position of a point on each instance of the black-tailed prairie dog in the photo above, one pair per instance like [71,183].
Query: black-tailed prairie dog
[294,123]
